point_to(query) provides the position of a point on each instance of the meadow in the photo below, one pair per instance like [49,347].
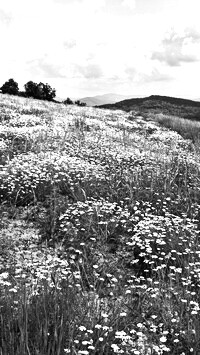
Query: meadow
[99,241]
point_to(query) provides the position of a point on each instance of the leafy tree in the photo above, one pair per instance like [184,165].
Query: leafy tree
[68,101]
[40,91]
[31,89]
[46,92]
[10,87]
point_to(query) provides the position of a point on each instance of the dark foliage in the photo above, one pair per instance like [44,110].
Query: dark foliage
[10,87]
[22,94]
[68,101]
[79,103]
[39,91]
[46,92]
[31,89]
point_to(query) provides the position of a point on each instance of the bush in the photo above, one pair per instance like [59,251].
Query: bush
[68,101]
[22,94]
[10,87]
[79,103]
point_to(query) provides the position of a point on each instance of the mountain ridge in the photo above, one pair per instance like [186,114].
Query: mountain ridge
[104,99]
[170,99]
[159,104]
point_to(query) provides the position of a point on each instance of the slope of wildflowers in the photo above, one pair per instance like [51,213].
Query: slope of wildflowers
[99,233]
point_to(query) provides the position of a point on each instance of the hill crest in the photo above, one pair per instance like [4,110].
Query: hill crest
[159,98]
[159,104]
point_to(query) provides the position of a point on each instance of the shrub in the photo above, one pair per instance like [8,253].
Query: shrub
[22,94]
[68,101]
[10,87]
[79,103]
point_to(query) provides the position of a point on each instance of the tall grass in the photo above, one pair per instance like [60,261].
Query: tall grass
[187,128]
[99,234]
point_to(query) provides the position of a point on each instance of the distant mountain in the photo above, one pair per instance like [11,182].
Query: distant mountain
[104,99]
[159,104]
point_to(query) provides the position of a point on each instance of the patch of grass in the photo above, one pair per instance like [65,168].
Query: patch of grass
[188,129]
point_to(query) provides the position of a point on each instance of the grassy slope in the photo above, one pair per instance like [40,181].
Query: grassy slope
[160,104]
[99,233]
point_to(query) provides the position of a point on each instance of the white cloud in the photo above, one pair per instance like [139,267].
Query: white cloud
[177,49]
[90,71]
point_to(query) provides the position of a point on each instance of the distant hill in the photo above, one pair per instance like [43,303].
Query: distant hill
[104,99]
[159,104]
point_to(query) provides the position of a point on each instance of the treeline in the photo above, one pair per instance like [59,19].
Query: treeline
[39,91]
[70,102]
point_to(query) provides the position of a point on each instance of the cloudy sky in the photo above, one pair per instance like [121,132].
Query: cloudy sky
[89,47]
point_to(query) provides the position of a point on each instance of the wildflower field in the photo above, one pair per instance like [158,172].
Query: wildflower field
[99,233]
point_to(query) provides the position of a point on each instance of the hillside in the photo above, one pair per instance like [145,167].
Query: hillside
[159,104]
[99,239]
[104,99]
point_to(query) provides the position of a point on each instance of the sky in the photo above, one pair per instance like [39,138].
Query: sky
[91,47]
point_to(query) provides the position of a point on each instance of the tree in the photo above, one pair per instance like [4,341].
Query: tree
[31,89]
[10,87]
[39,91]
[46,92]
[68,101]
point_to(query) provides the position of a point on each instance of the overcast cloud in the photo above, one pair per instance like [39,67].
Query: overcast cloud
[90,47]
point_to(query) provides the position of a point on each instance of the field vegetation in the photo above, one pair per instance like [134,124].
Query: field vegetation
[99,240]
[189,129]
